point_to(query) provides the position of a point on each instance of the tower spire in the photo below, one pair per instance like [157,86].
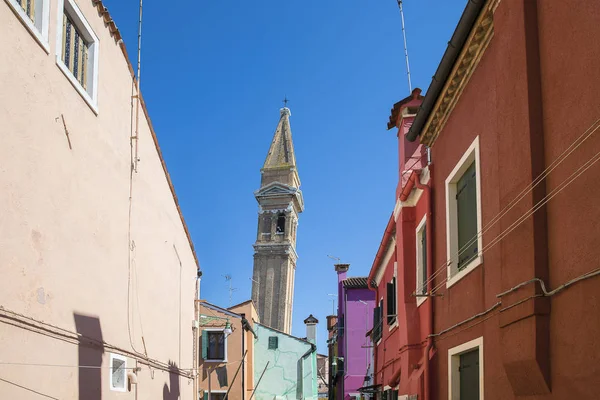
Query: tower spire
[281,157]
[280,203]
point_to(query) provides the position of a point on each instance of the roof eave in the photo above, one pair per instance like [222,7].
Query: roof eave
[455,46]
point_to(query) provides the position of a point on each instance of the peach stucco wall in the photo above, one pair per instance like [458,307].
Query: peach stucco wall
[208,370]
[64,229]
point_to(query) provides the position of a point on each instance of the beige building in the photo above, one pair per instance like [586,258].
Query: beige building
[97,290]
[227,338]
[280,203]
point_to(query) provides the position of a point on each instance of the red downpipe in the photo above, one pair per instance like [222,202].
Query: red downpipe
[381,251]
[429,234]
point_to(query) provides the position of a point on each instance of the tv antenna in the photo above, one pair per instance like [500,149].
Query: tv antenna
[334,258]
[405,47]
[231,289]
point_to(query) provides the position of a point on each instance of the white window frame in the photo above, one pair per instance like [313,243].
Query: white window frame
[419,261]
[91,94]
[454,364]
[39,28]
[453,276]
[216,392]
[124,359]
[225,338]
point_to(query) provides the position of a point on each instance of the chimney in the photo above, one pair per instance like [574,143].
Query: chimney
[331,323]
[341,270]
[311,329]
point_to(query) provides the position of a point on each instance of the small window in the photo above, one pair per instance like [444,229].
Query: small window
[34,14]
[273,342]
[463,216]
[215,395]
[391,301]
[280,224]
[77,52]
[421,288]
[465,363]
[216,346]
[118,374]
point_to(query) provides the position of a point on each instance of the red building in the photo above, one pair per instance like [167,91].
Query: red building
[512,238]
[401,347]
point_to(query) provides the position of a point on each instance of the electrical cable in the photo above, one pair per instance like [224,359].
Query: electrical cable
[536,207]
[567,152]
[77,338]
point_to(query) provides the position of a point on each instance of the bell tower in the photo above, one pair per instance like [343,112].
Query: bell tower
[279,204]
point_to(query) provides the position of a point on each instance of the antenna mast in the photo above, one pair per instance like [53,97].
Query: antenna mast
[231,290]
[405,47]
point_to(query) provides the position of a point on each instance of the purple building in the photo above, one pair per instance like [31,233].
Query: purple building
[352,366]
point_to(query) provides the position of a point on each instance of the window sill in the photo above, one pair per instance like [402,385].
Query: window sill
[461,274]
[215,361]
[420,300]
[24,18]
[86,96]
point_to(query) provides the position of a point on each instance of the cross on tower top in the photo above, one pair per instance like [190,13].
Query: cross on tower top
[285,101]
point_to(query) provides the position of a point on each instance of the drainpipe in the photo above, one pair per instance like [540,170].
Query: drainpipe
[381,252]
[429,238]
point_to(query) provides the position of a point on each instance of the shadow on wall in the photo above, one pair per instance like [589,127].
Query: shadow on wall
[90,352]
[171,392]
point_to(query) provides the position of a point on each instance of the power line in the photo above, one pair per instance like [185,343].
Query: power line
[536,207]
[566,153]
[63,366]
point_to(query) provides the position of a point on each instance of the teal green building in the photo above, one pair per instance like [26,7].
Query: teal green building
[285,367]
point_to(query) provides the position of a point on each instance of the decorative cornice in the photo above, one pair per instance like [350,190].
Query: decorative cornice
[465,65]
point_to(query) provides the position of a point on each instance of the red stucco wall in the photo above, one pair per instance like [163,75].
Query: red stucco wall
[533,93]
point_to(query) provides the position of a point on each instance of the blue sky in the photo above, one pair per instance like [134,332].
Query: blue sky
[213,77]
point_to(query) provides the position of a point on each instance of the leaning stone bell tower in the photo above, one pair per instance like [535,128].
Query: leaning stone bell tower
[279,204]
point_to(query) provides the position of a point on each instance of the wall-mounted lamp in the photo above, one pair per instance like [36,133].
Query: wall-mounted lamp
[208,318]
[334,363]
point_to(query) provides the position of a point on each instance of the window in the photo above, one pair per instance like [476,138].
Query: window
[77,51]
[118,374]
[465,371]
[280,224]
[214,345]
[391,301]
[421,288]
[214,395]
[377,322]
[34,14]
[273,342]
[463,215]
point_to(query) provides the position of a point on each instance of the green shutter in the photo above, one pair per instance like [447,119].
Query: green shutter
[204,345]
[205,395]
[466,204]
